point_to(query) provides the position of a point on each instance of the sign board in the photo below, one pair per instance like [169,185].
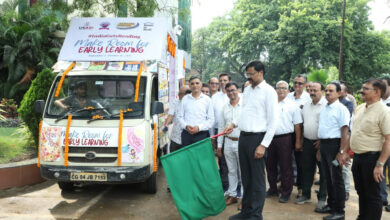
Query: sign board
[114,39]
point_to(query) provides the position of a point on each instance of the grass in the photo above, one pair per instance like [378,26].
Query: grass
[14,145]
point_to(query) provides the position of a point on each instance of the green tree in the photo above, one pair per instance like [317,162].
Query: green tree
[39,89]
[27,45]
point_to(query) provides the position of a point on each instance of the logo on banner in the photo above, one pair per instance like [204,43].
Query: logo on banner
[126,26]
[104,26]
[148,26]
[86,26]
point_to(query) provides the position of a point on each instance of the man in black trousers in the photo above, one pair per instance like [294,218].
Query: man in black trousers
[257,123]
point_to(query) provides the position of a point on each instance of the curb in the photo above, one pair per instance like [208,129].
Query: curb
[19,174]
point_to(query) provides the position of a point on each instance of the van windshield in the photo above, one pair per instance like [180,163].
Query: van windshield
[97,97]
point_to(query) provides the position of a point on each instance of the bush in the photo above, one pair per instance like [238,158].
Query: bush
[39,89]
[10,122]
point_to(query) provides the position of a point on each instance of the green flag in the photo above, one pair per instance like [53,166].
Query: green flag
[194,180]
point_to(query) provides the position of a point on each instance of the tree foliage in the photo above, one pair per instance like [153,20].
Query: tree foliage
[292,37]
[39,89]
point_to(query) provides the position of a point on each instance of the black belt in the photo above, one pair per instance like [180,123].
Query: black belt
[244,133]
[282,135]
[367,153]
[330,139]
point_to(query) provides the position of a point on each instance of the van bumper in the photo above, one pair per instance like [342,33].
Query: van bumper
[134,174]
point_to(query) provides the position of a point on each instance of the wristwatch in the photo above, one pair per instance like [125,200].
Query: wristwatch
[379,164]
[341,152]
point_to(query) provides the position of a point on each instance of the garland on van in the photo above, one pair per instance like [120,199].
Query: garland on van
[39,145]
[137,84]
[120,138]
[63,78]
[66,150]
[155,165]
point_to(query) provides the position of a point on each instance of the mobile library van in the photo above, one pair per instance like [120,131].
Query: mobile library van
[103,119]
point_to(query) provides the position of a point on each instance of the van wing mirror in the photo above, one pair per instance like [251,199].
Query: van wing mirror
[157,108]
[39,106]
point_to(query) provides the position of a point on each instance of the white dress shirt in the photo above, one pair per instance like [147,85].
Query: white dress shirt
[259,111]
[332,118]
[290,115]
[176,129]
[196,112]
[228,114]
[311,118]
[302,100]
[219,100]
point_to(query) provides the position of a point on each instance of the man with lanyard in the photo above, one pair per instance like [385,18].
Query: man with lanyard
[230,111]
[370,142]
[257,123]
[196,115]
[279,151]
[219,100]
[311,145]
[333,134]
[300,97]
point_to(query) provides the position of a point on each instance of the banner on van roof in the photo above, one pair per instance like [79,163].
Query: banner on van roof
[115,39]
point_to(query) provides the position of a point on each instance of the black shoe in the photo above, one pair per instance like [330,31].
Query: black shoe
[387,208]
[325,209]
[284,199]
[346,196]
[317,183]
[238,216]
[317,191]
[385,203]
[334,216]
[271,194]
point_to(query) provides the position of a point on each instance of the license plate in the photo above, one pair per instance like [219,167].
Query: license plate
[88,176]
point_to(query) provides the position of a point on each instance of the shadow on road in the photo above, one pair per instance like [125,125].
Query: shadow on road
[17,191]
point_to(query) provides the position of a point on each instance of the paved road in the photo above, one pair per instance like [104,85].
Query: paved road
[46,201]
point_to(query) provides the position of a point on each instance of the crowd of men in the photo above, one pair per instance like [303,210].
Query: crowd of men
[290,135]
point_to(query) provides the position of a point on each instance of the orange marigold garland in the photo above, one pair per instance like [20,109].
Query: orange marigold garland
[39,145]
[66,150]
[120,138]
[137,83]
[62,79]
[155,165]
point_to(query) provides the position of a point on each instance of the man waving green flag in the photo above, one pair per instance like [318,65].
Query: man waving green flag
[194,180]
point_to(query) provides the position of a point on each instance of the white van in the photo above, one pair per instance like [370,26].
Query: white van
[103,119]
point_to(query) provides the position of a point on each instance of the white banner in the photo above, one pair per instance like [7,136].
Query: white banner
[114,39]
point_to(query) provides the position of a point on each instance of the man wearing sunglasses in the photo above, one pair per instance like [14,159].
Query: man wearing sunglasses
[300,97]
[213,85]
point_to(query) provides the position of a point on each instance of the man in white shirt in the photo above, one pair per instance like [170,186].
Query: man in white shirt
[257,123]
[230,111]
[280,149]
[219,100]
[300,97]
[311,145]
[196,115]
[173,114]
[213,85]
[333,135]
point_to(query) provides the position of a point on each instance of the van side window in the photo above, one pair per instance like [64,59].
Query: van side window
[155,89]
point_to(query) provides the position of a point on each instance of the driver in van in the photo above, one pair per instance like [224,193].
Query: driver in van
[78,100]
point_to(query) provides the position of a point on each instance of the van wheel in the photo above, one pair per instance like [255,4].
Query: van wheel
[66,186]
[150,185]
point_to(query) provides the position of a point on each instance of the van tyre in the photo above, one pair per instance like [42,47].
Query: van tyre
[150,185]
[66,186]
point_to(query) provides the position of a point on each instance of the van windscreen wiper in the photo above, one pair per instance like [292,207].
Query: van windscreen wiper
[77,111]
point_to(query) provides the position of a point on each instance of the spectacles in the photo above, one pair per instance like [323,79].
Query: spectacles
[281,88]
[232,90]
[365,88]
[213,83]
[299,83]
[247,75]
